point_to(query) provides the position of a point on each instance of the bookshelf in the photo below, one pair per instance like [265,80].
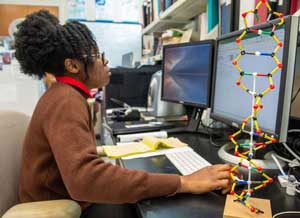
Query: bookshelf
[177,15]
[161,25]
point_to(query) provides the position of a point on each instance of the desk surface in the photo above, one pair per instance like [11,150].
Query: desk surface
[209,205]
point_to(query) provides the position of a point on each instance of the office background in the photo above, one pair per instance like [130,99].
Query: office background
[141,25]
[132,34]
[115,23]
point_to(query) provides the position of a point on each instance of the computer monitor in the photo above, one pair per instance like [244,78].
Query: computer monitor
[187,70]
[295,103]
[127,60]
[230,103]
[129,85]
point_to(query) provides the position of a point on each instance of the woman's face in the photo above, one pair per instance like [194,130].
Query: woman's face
[98,72]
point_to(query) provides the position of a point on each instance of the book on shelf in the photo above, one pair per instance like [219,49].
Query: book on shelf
[226,16]
[156,44]
[167,3]
[148,144]
[241,6]
[155,9]
[159,46]
[203,24]
[212,14]
[147,12]
[151,9]
[148,43]
[144,14]
[262,14]
[162,5]
[283,6]
[295,6]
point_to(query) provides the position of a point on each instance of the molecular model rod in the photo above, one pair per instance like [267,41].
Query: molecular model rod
[252,131]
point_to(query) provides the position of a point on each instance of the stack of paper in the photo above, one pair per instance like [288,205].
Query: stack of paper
[148,144]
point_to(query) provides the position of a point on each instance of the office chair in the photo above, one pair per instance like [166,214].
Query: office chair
[13,126]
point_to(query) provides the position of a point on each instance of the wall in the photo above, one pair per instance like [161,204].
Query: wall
[10,13]
[61,4]
[17,91]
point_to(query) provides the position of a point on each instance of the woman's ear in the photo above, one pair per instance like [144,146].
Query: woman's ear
[72,65]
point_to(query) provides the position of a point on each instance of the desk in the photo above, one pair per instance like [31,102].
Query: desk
[209,205]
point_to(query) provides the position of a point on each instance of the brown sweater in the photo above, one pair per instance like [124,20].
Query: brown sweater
[60,160]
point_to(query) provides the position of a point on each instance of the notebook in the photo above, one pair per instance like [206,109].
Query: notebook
[148,144]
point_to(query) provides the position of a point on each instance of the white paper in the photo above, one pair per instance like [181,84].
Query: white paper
[137,136]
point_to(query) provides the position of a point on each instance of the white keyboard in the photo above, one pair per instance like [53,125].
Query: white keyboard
[187,162]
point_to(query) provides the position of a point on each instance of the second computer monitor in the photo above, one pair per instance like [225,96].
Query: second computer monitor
[187,72]
[230,103]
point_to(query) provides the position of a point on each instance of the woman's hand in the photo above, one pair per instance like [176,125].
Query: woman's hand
[207,179]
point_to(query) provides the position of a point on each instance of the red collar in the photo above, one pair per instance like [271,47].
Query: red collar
[73,82]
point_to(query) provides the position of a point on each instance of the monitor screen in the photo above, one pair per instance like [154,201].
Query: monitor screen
[230,103]
[187,73]
[129,85]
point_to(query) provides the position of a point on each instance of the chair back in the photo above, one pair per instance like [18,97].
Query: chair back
[13,127]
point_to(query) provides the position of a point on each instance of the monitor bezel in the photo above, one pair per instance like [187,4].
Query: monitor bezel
[280,107]
[296,118]
[292,116]
[211,42]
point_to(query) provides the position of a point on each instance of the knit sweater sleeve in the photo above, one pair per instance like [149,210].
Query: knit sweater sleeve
[86,176]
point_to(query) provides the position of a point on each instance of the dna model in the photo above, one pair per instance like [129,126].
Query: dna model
[246,157]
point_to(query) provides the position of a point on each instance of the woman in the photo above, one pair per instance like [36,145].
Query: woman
[59,156]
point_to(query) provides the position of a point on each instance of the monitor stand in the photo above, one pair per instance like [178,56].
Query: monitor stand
[194,121]
[226,154]
[193,124]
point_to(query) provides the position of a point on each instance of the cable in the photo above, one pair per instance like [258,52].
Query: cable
[291,151]
[211,135]
[213,143]
[286,212]
[208,126]
[297,187]
[294,98]
[284,159]
[278,164]
[293,130]
[288,147]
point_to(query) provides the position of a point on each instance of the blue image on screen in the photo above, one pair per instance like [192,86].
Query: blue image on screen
[186,73]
